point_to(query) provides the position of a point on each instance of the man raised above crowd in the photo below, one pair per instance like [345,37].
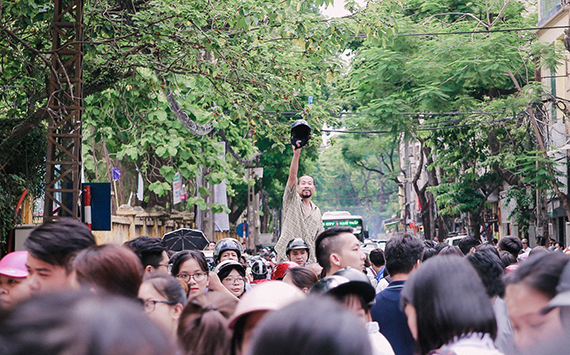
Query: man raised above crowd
[51,247]
[301,217]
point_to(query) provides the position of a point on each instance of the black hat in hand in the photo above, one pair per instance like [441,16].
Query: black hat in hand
[300,133]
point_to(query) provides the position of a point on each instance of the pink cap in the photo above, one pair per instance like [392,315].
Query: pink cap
[14,264]
[268,296]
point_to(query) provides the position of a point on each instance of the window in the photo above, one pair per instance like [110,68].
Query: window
[548,8]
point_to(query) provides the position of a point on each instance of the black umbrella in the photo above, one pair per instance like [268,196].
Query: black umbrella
[185,239]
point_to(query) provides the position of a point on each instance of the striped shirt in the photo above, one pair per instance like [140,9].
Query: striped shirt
[296,224]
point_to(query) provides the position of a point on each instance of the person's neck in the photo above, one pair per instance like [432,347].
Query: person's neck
[174,333]
[331,272]
[307,200]
[377,268]
[400,277]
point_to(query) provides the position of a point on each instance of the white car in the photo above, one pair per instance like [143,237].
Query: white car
[454,241]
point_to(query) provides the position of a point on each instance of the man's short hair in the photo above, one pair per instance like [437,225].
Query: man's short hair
[491,271]
[57,242]
[377,257]
[327,243]
[402,252]
[309,176]
[511,244]
[148,249]
[465,244]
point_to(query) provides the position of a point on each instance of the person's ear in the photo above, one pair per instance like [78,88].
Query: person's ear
[178,308]
[148,269]
[418,264]
[335,259]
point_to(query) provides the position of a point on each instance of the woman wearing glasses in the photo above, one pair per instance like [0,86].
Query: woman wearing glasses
[163,299]
[232,275]
[191,267]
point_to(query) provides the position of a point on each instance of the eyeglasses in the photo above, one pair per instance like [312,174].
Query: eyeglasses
[150,305]
[198,277]
[167,266]
[233,280]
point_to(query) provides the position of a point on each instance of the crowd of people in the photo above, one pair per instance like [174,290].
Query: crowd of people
[67,295]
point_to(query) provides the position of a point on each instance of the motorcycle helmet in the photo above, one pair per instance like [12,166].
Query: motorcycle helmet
[300,132]
[227,244]
[281,269]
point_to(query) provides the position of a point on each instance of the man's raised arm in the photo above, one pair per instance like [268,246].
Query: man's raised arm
[294,168]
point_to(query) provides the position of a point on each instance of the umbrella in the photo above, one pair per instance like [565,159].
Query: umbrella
[185,239]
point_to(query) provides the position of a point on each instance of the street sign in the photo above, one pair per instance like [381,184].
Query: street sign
[242,230]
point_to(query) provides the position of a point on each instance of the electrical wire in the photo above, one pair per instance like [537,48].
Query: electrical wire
[482,31]
[423,128]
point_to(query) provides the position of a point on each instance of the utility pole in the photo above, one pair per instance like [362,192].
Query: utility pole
[65,107]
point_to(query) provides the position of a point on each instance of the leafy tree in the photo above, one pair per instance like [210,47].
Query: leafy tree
[164,82]
[458,95]
[346,182]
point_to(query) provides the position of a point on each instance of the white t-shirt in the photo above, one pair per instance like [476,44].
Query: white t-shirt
[380,345]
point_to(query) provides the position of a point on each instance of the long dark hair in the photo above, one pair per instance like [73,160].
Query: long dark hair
[203,328]
[179,258]
[450,301]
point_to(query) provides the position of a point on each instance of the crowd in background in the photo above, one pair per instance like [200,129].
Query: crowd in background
[67,295]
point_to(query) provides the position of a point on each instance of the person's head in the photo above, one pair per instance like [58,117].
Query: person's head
[51,247]
[297,251]
[337,248]
[80,323]
[350,287]
[428,253]
[232,275]
[306,186]
[316,268]
[377,258]
[528,291]
[300,277]
[259,270]
[490,270]
[152,254]
[281,269]
[14,286]
[562,298]
[444,299]
[403,253]
[487,248]
[524,243]
[468,244]
[163,298]
[109,267]
[539,250]
[227,249]
[254,305]
[316,326]
[438,247]
[191,267]
[512,244]
[450,250]
[507,258]
[203,326]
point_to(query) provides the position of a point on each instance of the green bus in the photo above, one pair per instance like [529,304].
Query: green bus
[345,219]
